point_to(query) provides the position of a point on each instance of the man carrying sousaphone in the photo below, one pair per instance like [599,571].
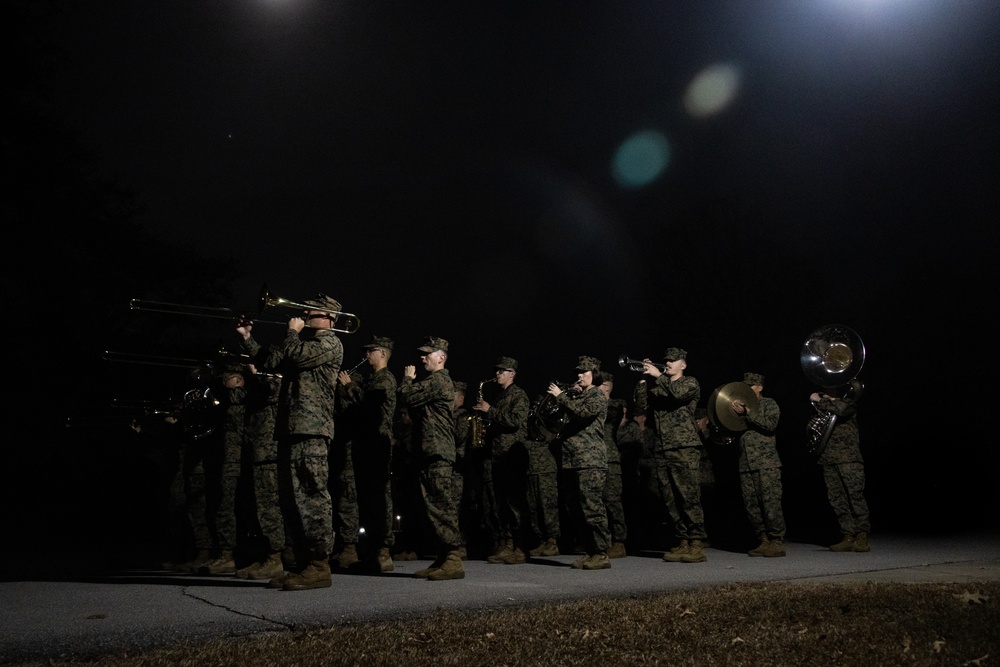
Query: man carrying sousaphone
[844,467]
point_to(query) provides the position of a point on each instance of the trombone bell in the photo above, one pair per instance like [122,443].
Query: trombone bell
[346,322]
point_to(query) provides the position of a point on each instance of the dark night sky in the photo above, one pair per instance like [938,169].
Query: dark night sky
[448,172]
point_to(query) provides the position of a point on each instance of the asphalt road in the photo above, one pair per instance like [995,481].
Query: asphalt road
[48,618]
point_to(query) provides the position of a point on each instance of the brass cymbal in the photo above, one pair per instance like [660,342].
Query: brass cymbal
[720,408]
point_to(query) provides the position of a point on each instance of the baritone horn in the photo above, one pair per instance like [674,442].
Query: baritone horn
[346,322]
[636,364]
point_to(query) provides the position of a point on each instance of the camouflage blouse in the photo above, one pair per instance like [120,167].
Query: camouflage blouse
[583,437]
[431,403]
[844,445]
[309,369]
[508,419]
[757,444]
[672,406]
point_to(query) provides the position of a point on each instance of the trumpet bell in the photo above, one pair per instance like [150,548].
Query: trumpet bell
[832,355]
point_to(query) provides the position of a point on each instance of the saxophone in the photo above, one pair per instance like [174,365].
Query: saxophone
[477,424]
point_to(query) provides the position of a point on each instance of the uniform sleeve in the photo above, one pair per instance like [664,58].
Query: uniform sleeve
[765,417]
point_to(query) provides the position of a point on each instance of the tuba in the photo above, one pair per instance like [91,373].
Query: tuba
[477,423]
[832,357]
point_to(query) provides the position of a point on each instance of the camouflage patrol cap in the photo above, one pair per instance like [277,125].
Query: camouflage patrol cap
[234,367]
[378,341]
[674,354]
[503,363]
[753,378]
[324,302]
[588,364]
[432,344]
[460,386]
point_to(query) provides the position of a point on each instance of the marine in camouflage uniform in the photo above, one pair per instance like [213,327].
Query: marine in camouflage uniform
[232,395]
[585,463]
[376,401]
[760,470]
[844,467]
[542,488]
[431,404]
[305,428]
[613,483]
[343,484]
[261,411]
[669,399]
[635,447]
[507,429]
[460,469]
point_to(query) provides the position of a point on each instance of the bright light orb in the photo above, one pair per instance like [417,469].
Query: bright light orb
[641,159]
[712,90]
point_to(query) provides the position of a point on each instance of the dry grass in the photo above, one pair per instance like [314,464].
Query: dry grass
[746,624]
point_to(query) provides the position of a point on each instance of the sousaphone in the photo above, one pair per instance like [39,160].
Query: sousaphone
[832,357]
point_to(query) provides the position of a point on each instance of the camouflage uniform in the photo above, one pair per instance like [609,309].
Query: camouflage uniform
[343,485]
[542,489]
[262,408]
[412,530]
[234,439]
[585,465]
[677,450]
[760,470]
[305,428]
[844,468]
[460,469]
[613,483]
[431,403]
[505,436]
[376,398]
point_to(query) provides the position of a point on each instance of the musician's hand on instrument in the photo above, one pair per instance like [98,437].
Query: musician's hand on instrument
[410,372]
[482,406]
[344,378]
[554,389]
[244,327]
[739,407]
[650,369]
[296,324]
[815,396]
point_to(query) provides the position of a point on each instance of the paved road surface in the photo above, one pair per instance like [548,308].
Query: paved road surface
[85,616]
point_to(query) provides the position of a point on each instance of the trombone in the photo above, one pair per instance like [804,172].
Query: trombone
[209,365]
[636,364]
[349,322]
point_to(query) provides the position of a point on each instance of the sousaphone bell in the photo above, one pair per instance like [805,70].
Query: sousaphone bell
[832,357]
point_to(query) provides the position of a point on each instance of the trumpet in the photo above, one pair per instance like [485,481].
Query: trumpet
[637,364]
[348,322]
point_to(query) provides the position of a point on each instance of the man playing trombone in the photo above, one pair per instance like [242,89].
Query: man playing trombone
[305,428]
